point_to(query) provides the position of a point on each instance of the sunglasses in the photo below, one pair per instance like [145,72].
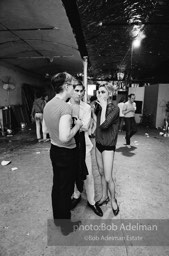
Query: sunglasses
[101,92]
[79,91]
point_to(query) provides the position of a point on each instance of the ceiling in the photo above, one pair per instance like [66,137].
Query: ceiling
[108,28]
[51,36]
[36,36]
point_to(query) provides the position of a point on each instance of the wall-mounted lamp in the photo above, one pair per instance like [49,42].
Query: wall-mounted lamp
[120,75]
[136,43]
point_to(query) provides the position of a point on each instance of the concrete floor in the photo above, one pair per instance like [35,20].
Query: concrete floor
[141,176]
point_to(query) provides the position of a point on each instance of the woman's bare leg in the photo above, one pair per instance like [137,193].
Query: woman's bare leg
[101,171]
[108,160]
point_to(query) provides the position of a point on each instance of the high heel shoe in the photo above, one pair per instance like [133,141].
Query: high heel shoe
[104,202]
[115,212]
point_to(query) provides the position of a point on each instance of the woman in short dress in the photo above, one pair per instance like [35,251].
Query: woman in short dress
[106,138]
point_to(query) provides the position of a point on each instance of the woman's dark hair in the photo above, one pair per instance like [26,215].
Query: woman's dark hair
[93,98]
[122,100]
[38,94]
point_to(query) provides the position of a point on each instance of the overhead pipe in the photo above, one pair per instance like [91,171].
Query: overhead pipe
[29,29]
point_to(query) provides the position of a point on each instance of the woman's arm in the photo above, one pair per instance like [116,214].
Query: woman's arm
[103,115]
[103,104]
[93,122]
[111,118]
[66,132]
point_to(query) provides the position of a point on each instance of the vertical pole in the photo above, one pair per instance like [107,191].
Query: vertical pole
[85,62]
[9,109]
[131,62]
[131,73]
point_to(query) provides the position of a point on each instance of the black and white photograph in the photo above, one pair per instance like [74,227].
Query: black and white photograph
[84,128]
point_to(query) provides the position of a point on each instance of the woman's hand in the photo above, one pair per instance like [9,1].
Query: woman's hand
[101,101]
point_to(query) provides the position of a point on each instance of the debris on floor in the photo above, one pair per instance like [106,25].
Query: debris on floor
[4,162]
[14,168]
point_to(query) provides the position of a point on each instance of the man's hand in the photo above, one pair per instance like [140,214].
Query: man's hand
[132,109]
[78,122]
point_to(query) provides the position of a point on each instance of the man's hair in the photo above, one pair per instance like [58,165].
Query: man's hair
[79,83]
[130,95]
[59,80]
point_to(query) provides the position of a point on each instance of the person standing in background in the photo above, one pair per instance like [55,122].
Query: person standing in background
[129,109]
[37,114]
[44,128]
[121,115]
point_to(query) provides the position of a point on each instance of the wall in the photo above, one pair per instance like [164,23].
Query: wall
[150,101]
[19,77]
[163,98]
[139,93]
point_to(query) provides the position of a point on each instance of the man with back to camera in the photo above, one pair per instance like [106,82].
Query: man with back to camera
[82,110]
[37,114]
[121,115]
[129,109]
[63,151]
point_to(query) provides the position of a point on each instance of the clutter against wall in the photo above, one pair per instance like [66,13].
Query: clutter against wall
[17,77]
[13,109]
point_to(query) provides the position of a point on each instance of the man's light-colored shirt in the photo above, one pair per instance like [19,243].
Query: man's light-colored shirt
[127,106]
[85,117]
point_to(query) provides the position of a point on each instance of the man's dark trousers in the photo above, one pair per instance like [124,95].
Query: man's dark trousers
[64,162]
[131,128]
